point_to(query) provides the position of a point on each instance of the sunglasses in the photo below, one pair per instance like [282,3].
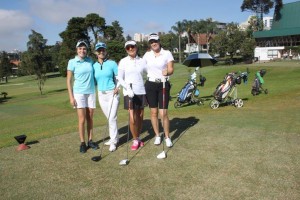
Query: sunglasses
[130,47]
[153,41]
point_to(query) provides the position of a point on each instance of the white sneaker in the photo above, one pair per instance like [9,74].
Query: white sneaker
[169,142]
[107,143]
[157,140]
[112,147]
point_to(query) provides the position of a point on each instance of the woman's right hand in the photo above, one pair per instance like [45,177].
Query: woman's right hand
[73,103]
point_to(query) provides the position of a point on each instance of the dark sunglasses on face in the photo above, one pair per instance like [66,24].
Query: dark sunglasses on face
[153,41]
[130,47]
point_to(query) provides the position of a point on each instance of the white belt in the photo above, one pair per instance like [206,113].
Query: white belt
[106,91]
[157,80]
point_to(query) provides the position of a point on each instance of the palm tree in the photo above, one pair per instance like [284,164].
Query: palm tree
[179,30]
[210,27]
[187,26]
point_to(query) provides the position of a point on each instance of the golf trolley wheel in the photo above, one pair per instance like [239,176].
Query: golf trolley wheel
[238,103]
[266,91]
[177,104]
[214,104]
[200,102]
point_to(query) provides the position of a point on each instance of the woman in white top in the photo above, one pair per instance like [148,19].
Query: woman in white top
[159,68]
[130,76]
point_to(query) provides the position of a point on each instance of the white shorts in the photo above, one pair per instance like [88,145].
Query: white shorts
[85,100]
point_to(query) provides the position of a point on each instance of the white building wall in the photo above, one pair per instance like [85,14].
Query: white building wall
[138,37]
[266,20]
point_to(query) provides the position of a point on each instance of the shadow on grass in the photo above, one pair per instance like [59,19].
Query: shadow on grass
[32,142]
[55,91]
[54,75]
[6,99]
[177,125]
[180,125]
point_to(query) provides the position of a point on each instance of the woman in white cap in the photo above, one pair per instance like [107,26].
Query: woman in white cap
[106,71]
[160,67]
[82,92]
[131,69]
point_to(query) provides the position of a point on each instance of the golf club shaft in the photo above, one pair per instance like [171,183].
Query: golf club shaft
[163,117]
[128,132]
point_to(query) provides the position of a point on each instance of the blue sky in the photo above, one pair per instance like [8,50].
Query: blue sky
[50,17]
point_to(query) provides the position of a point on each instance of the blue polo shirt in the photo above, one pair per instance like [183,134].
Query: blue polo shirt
[83,75]
[104,74]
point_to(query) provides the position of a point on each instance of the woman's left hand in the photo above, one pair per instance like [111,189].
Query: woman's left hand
[165,72]
[116,91]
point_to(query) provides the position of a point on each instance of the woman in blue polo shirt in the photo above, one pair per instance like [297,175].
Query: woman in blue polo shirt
[105,72]
[82,92]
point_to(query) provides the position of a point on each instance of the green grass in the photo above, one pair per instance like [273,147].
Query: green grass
[227,153]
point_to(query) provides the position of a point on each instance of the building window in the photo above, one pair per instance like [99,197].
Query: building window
[272,53]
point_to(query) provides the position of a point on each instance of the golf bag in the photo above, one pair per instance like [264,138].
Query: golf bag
[258,82]
[190,92]
[230,80]
[187,91]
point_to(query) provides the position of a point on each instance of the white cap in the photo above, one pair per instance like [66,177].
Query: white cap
[130,42]
[153,36]
[81,42]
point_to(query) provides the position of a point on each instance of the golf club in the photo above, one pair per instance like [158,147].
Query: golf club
[163,154]
[98,158]
[126,161]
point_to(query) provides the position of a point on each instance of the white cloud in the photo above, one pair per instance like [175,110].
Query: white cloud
[12,21]
[14,26]
[57,11]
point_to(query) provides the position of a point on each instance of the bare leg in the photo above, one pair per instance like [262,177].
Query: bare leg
[165,121]
[81,122]
[133,124]
[140,117]
[154,120]
[90,122]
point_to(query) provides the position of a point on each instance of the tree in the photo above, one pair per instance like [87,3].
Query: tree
[34,59]
[261,7]
[118,30]
[115,50]
[253,26]
[229,42]
[168,41]
[114,32]
[5,66]
[187,25]
[247,48]
[76,30]
[96,25]
[53,52]
[179,30]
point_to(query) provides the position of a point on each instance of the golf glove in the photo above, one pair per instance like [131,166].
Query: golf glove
[129,92]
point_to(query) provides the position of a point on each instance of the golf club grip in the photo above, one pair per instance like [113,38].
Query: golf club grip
[163,94]
[130,107]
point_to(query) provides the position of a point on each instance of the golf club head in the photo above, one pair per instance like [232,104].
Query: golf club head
[96,158]
[124,162]
[162,155]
